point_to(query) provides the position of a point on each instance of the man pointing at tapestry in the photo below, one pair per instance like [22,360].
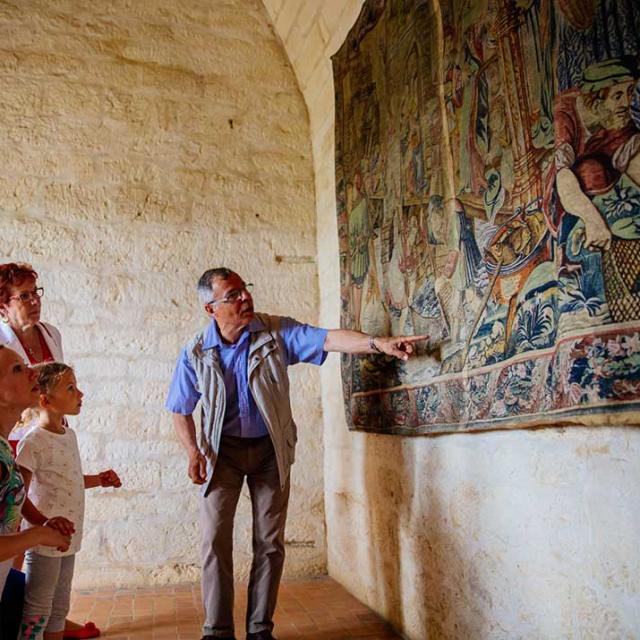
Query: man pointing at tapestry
[237,369]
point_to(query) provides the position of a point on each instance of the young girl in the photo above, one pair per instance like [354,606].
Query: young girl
[49,459]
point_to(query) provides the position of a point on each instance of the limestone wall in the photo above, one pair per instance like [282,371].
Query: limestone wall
[524,534]
[140,143]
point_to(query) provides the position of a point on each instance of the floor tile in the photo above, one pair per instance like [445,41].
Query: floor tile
[314,609]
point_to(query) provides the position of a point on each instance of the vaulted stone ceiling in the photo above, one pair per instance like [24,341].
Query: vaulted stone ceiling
[311,31]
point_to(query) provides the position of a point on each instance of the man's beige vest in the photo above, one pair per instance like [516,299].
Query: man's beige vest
[269,385]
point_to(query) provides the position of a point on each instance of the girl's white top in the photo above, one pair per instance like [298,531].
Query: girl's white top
[57,483]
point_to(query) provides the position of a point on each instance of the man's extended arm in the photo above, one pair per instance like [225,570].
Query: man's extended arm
[347,341]
[186,430]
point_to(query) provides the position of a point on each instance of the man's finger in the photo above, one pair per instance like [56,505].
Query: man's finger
[197,472]
[198,469]
[195,478]
[401,355]
[412,338]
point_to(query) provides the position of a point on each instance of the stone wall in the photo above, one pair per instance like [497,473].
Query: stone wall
[140,143]
[524,534]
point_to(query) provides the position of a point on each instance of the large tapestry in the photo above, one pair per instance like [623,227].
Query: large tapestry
[488,194]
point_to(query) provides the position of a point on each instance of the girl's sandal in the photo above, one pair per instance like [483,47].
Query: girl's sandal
[88,631]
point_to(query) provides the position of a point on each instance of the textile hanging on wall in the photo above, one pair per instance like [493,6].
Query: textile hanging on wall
[488,194]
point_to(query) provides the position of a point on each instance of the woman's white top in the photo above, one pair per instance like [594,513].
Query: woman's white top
[51,335]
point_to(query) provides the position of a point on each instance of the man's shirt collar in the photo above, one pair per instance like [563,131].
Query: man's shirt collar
[212,335]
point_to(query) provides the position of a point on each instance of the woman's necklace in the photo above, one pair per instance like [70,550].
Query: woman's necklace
[30,353]
[33,358]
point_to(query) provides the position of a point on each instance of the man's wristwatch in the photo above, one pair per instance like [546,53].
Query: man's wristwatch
[373,345]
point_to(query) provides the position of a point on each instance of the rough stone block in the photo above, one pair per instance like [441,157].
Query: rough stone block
[140,475]
[146,205]
[20,101]
[123,541]
[48,64]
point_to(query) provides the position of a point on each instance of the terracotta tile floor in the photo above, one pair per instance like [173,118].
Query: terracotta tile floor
[307,610]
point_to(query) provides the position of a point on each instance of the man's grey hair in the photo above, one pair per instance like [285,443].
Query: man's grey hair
[205,283]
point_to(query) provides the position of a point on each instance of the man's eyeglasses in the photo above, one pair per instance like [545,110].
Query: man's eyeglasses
[235,295]
[28,296]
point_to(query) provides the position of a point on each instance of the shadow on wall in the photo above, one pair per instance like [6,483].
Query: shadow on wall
[424,579]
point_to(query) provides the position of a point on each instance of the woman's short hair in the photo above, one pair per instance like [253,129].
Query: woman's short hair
[13,274]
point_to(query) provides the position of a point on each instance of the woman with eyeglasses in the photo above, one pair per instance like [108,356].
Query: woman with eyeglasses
[35,342]
[20,307]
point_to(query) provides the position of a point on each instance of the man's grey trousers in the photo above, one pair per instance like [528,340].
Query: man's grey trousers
[255,459]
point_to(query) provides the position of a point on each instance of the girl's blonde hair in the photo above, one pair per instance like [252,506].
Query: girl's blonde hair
[49,373]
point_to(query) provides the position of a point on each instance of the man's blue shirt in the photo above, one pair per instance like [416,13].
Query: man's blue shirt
[302,343]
